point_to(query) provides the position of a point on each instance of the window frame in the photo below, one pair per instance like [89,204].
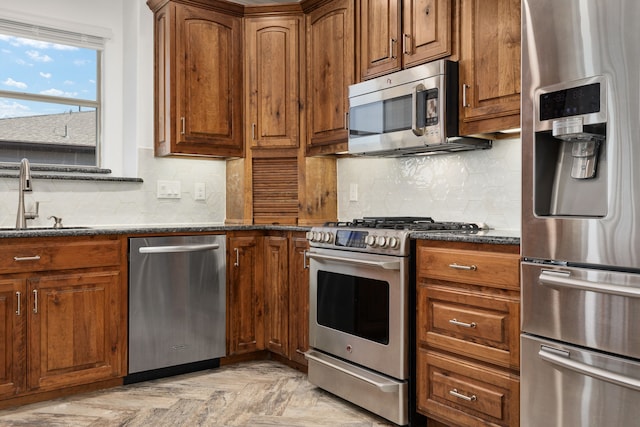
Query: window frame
[42,32]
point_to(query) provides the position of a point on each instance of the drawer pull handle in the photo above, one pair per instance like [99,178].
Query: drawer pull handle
[463,324]
[463,267]
[26,258]
[19,310]
[455,393]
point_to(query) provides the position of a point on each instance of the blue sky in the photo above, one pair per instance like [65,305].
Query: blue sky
[32,66]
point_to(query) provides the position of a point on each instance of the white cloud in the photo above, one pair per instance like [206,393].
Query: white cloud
[23,62]
[45,75]
[37,56]
[13,83]
[13,109]
[58,92]
[19,41]
[68,82]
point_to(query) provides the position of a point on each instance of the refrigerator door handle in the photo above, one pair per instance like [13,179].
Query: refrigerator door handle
[563,279]
[555,357]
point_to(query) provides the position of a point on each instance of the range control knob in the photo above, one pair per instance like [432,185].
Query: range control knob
[327,237]
[309,235]
[381,241]
[393,242]
[370,240]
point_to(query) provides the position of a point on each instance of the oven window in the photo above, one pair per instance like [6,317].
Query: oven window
[355,305]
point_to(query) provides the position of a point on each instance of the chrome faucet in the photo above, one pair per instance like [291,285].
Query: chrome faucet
[24,185]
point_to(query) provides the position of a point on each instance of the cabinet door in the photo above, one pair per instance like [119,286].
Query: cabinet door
[198,93]
[272,82]
[379,37]
[73,329]
[245,328]
[489,66]
[427,30]
[13,309]
[330,70]
[298,298]
[276,294]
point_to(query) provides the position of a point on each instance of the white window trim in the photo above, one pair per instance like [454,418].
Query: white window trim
[52,30]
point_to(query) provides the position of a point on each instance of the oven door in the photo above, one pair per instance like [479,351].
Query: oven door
[358,309]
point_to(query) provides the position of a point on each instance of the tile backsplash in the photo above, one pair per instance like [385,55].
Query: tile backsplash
[125,203]
[473,186]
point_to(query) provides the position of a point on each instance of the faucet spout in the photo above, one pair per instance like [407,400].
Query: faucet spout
[24,185]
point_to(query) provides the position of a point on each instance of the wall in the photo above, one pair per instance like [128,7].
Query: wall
[473,186]
[128,132]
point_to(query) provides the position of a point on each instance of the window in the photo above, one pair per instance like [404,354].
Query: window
[49,95]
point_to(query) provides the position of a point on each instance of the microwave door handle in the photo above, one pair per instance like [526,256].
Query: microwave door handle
[387,265]
[414,113]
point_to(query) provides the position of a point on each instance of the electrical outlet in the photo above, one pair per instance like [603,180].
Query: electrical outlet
[199,191]
[353,192]
[168,190]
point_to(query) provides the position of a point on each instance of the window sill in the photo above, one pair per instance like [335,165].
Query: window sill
[65,173]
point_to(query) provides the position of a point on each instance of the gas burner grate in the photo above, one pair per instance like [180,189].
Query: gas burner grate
[414,223]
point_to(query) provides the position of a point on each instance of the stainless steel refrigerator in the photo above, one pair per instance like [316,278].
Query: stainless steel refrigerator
[580,346]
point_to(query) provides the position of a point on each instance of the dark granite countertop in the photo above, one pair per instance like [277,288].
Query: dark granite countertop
[139,229]
[504,237]
[496,237]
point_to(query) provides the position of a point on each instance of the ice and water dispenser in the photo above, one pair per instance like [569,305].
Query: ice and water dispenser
[570,161]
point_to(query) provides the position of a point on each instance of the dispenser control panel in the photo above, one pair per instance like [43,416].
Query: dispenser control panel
[568,102]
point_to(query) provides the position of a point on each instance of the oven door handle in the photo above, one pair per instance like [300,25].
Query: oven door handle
[387,265]
[389,387]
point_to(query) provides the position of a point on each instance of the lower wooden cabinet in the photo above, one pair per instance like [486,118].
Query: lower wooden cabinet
[468,327]
[245,314]
[268,294]
[298,297]
[64,325]
[465,393]
[286,295]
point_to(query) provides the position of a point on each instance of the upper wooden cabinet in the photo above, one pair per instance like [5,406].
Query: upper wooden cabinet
[271,86]
[198,80]
[489,66]
[397,34]
[330,29]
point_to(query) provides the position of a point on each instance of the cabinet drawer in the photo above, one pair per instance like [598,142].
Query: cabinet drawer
[464,393]
[63,255]
[473,267]
[483,326]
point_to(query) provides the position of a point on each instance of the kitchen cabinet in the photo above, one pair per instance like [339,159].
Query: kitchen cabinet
[330,69]
[298,297]
[489,66]
[286,293]
[276,293]
[13,333]
[468,333]
[396,34]
[245,300]
[65,314]
[272,81]
[198,78]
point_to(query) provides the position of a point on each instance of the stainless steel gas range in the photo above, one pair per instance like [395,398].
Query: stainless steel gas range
[362,311]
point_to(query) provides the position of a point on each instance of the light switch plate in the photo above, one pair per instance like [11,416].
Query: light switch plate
[199,191]
[168,190]
[353,192]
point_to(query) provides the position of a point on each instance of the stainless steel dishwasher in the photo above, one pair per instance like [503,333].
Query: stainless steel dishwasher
[177,318]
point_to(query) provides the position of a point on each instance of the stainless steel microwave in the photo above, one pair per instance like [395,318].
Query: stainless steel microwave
[409,112]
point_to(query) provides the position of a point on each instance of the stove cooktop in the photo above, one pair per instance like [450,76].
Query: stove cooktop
[412,223]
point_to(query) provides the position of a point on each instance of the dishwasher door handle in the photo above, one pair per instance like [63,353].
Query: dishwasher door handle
[177,249]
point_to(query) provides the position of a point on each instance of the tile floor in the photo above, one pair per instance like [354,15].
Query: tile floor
[260,393]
